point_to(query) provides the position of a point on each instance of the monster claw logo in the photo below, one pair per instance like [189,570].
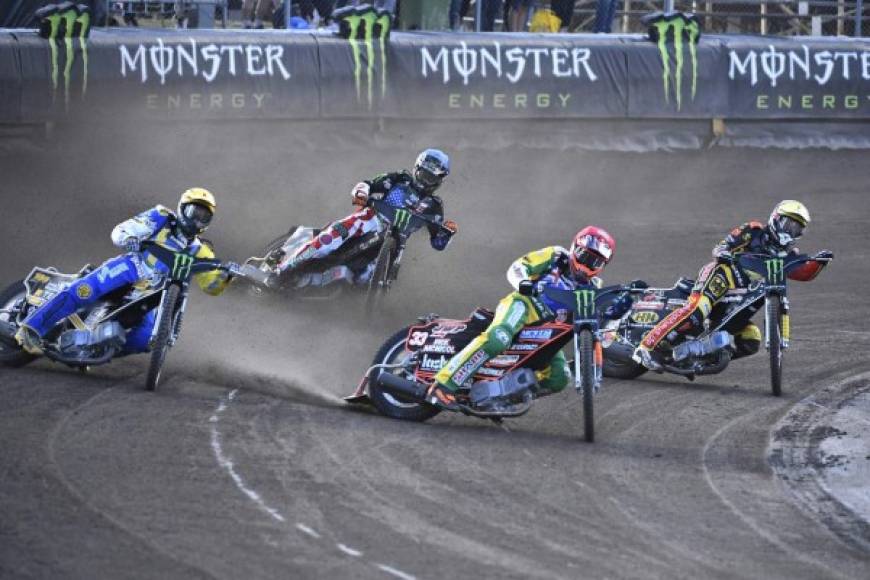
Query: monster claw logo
[70,22]
[675,29]
[362,26]
[181,267]
[585,303]
[402,219]
[775,271]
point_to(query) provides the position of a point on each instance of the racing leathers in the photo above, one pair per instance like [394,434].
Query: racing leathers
[138,270]
[715,280]
[399,190]
[547,267]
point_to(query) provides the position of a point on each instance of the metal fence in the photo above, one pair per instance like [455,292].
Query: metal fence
[775,17]
[780,17]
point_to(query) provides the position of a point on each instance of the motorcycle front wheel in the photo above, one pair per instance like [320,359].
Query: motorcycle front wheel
[774,318]
[160,348]
[587,367]
[380,281]
[395,406]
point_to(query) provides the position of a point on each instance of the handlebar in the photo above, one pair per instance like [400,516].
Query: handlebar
[389,213]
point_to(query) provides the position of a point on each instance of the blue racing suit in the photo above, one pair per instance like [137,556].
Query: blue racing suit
[138,270]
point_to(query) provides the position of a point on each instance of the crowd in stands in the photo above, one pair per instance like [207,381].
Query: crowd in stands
[500,15]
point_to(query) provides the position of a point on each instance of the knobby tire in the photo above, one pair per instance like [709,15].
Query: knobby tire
[161,342]
[774,305]
[587,367]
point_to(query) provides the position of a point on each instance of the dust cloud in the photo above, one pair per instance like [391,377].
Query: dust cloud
[62,198]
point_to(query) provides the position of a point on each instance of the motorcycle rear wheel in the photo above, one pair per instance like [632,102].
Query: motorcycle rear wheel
[394,406]
[161,342]
[774,315]
[587,367]
[11,355]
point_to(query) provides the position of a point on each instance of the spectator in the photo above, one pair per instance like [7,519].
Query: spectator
[255,12]
[564,9]
[458,11]
[490,9]
[519,14]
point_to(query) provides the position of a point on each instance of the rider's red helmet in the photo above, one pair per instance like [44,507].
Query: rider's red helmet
[591,250]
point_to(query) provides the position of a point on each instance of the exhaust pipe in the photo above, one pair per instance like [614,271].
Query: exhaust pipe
[402,387]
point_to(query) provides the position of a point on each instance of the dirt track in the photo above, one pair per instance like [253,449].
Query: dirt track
[216,477]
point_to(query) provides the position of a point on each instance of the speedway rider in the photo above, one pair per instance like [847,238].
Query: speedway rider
[414,191]
[136,268]
[553,266]
[777,238]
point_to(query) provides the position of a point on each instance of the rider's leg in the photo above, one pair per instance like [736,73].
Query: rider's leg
[513,313]
[117,272]
[713,282]
[332,237]
[747,341]
[556,376]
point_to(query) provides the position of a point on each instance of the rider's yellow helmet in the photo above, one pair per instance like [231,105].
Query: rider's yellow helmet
[788,221]
[196,209]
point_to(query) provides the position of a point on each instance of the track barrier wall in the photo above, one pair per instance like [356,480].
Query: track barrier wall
[225,74]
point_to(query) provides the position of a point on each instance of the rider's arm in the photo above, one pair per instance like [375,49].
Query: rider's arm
[141,227]
[214,282]
[531,266]
[737,239]
[385,181]
[439,237]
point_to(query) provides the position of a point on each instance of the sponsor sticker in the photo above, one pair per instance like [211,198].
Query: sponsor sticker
[649,305]
[430,363]
[519,346]
[443,330]
[84,291]
[436,348]
[491,372]
[467,369]
[502,336]
[516,313]
[505,360]
[645,317]
[536,334]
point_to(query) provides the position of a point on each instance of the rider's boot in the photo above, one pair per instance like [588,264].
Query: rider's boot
[29,340]
[442,397]
[648,358]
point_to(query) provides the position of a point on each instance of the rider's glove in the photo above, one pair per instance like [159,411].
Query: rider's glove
[824,255]
[725,257]
[451,227]
[638,285]
[233,269]
[619,306]
[527,288]
[360,194]
[132,244]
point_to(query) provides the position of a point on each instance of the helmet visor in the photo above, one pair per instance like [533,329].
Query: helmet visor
[199,215]
[789,226]
[591,260]
[426,177]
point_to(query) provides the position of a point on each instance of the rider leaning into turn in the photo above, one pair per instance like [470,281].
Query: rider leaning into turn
[402,189]
[136,268]
[591,250]
[777,238]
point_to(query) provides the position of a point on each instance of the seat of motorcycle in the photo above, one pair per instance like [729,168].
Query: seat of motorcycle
[681,289]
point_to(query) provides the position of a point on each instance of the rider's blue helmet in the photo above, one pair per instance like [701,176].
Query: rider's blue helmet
[430,169]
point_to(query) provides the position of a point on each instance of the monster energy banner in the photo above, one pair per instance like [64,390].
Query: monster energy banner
[169,75]
[217,74]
